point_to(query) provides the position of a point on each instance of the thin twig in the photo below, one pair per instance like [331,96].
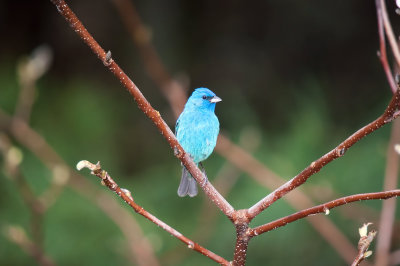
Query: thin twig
[322,208]
[12,158]
[18,236]
[365,241]
[29,71]
[381,6]
[127,197]
[389,206]
[382,48]
[145,107]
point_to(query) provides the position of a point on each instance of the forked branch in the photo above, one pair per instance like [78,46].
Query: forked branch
[388,116]
[322,208]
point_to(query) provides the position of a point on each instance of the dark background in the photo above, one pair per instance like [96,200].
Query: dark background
[302,75]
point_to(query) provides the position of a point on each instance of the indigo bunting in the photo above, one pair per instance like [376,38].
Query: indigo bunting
[197,130]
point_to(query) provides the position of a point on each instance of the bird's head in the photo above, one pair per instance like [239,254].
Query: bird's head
[203,98]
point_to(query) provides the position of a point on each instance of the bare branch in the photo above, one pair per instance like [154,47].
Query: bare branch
[127,197]
[30,69]
[18,236]
[381,8]
[322,208]
[364,243]
[317,165]
[12,158]
[389,207]
[382,46]
[145,107]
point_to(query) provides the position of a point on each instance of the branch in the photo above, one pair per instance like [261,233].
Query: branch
[18,236]
[127,197]
[145,107]
[317,165]
[364,243]
[29,71]
[322,208]
[382,46]
[381,8]
[389,207]
[141,251]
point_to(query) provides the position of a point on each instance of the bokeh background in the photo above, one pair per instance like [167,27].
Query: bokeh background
[296,78]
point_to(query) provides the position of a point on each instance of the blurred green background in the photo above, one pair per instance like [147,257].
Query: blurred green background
[298,77]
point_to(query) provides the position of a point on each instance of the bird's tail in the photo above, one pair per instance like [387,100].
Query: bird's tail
[188,185]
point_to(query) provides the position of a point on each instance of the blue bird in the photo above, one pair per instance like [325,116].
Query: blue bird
[197,130]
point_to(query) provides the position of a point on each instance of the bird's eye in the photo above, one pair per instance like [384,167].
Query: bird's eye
[204,97]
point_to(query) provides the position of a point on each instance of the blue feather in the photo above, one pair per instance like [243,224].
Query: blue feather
[197,130]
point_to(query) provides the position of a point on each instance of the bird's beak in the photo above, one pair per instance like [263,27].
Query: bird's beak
[215,99]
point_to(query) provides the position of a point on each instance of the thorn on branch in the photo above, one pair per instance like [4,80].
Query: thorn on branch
[108,59]
[340,152]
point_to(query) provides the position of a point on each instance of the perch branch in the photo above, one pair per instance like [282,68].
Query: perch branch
[127,197]
[322,208]
[145,107]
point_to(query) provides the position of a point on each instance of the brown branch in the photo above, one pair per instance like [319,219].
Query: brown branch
[322,208]
[381,7]
[141,252]
[389,207]
[317,165]
[18,236]
[127,197]
[29,71]
[395,258]
[363,244]
[12,158]
[382,46]
[145,107]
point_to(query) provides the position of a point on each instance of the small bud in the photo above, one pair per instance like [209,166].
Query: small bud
[367,254]
[61,174]
[127,192]
[363,231]
[82,164]
[397,148]
[14,156]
